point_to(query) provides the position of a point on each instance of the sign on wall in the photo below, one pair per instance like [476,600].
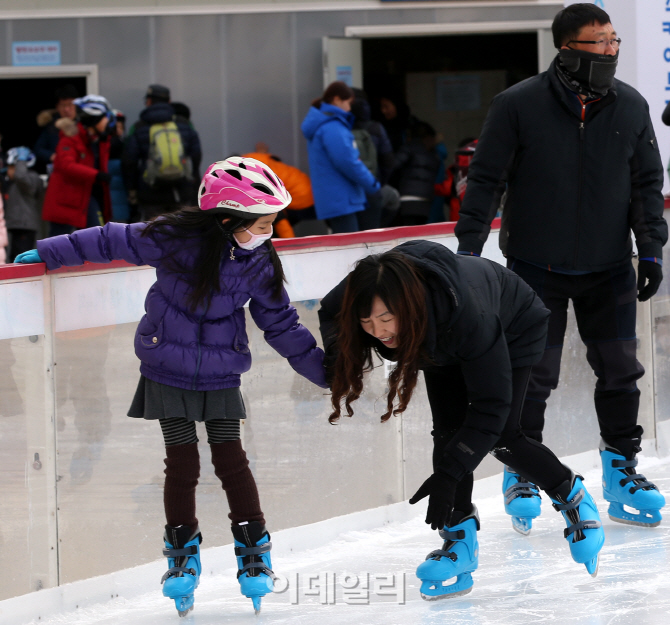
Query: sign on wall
[35,53]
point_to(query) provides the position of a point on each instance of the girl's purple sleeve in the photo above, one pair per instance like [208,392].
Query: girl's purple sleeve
[115,241]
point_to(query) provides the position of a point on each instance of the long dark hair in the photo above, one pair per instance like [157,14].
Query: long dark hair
[335,89]
[395,279]
[193,226]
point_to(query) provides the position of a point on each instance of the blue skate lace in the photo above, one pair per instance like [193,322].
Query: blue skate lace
[178,553]
[447,536]
[573,504]
[255,551]
[643,483]
[521,489]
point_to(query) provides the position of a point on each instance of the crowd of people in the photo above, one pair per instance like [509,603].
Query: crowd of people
[88,168]
[487,338]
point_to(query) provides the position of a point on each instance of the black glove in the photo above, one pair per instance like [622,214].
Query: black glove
[441,491]
[652,273]
[102,176]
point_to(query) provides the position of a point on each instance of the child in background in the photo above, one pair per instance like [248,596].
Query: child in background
[192,343]
[23,191]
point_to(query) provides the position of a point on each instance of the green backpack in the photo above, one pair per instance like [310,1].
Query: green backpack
[166,160]
[366,149]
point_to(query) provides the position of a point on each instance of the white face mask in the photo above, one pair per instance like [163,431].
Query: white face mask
[254,241]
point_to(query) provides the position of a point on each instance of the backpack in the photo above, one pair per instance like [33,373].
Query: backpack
[166,161]
[366,149]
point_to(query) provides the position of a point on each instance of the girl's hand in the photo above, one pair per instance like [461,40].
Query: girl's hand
[31,256]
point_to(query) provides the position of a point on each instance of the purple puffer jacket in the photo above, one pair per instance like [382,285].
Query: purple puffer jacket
[207,349]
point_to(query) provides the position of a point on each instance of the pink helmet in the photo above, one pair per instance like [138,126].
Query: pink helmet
[243,187]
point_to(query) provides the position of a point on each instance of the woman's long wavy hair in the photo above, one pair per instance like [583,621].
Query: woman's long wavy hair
[395,279]
[206,231]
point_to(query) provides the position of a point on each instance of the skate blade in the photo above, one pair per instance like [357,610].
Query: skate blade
[183,613]
[593,565]
[642,518]
[522,525]
[257,604]
[458,593]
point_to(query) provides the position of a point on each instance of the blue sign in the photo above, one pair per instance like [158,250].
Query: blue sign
[345,73]
[35,53]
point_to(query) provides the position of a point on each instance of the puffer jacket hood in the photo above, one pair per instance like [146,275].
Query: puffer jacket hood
[157,113]
[205,349]
[69,127]
[45,117]
[317,117]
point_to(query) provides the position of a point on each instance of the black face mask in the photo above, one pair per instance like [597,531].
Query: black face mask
[593,72]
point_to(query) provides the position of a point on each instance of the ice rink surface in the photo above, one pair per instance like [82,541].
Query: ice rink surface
[520,580]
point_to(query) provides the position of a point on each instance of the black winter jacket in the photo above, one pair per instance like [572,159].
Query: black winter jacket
[136,151]
[575,188]
[416,169]
[481,317]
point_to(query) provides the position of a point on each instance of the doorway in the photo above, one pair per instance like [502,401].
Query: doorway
[448,80]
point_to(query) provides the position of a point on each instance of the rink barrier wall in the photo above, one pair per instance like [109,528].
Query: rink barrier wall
[76,470]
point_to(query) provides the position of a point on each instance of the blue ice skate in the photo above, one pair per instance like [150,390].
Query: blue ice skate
[252,548]
[522,501]
[458,558]
[584,532]
[622,486]
[182,548]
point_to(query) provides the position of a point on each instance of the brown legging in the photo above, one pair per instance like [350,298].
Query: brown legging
[182,470]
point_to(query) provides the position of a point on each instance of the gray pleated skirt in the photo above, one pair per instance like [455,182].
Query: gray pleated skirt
[154,400]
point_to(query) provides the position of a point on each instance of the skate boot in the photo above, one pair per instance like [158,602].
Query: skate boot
[182,548]
[252,548]
[584,532]
[522,501]
[458,557]
[623,487]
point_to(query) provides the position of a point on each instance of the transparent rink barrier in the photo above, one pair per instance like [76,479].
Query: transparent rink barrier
[82,484]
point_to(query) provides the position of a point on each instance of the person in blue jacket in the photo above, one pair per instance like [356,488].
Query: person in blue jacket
[340,180]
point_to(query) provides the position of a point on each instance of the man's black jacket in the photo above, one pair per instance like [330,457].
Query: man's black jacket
[575,188]
[482,318]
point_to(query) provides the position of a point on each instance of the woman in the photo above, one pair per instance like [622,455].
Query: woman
[340,180]
[475,329]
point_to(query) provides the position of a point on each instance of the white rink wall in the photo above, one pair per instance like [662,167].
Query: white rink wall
[82,483]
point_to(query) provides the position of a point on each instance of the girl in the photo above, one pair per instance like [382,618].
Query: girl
[475,329]
[193,347]
[340,180]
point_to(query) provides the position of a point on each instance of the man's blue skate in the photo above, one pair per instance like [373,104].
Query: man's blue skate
[622,486]
[584,533]
[252,548]
[458,558]
[182,548]
[522,501]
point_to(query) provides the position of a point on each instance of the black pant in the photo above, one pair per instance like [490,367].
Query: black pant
[22,241]
[605,306]
[448,398]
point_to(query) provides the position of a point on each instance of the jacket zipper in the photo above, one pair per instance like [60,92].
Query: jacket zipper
[579,187]
[197,365]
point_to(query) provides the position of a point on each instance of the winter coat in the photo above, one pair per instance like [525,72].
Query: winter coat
[70,185]
[46,143]
[206,349]
[385,157]
[117,192]
[481,317]
[296,181]
[136,151]
[340,180]
[23,199]
[417,168]
[579,177]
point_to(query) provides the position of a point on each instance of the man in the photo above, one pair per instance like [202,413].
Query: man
[161,155]
[578,152]
[45,147]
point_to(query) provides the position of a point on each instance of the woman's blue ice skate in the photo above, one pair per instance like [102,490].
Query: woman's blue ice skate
[252,548]
[522,501]
[182,548]
[584,532]
[458,558]
[623,487]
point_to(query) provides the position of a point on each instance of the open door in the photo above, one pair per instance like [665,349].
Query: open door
[342,60]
